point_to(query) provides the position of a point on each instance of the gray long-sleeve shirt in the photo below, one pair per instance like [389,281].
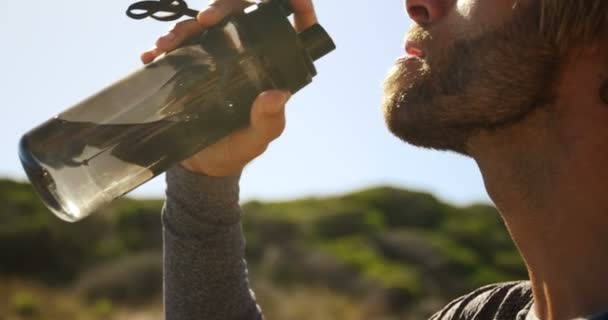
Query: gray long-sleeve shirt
[205,272]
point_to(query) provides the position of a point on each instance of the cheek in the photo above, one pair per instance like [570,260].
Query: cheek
[465,8]
[471,17]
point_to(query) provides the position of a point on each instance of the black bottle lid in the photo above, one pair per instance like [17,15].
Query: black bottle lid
[286,55]
[286,6]
[317,42]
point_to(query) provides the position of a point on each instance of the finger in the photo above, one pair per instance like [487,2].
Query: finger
[218,10]
[232,153]
[211,15]
[149,56]
[267,124]
[180,32]
[304,14]
[268,115]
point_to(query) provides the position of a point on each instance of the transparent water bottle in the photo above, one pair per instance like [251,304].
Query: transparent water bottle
[137,128]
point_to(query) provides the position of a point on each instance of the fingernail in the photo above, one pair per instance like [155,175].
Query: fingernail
[170,36]
[203,14]
[285,95]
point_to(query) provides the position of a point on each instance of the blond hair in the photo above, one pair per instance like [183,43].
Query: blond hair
[569,22]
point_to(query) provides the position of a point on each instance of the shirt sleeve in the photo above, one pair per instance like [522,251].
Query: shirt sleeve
[205,273]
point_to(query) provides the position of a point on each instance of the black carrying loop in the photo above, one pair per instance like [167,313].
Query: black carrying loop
[161,10]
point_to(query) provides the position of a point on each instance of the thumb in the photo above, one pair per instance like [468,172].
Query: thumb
[268,114]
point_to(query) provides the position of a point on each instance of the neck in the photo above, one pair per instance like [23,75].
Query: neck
[548,176]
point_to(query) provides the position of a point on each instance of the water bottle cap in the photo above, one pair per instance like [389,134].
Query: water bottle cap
[317,42]
[287,55]
[286,5]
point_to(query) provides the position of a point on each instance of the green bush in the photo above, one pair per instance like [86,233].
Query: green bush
[387,274]
[25,304]
[478,227]
[347,223]
[139,228]
[485,275]
[510,262]
[35,243]
[102,308]
[401,208]
[130,280]
[409,246]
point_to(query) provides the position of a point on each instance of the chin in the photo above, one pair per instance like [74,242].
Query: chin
[425,134]
[413,114]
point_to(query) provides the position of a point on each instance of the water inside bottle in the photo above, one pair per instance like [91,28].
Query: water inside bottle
[77,165]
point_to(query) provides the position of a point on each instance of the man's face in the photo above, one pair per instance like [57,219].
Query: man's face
[471,65]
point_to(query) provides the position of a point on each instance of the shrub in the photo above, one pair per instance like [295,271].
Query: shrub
[130,280]
[102,308]
[459,259]
[25,304]
[478,227]
[139,228]
[487,275]
[357,253]
[401,208]
[409,246]
[345,223]
[510,261]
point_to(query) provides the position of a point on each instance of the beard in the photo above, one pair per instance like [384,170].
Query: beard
[488,82]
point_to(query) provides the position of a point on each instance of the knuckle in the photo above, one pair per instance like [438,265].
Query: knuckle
[160,43]
[277,131]
[184,25]
[257,149]
[230,6]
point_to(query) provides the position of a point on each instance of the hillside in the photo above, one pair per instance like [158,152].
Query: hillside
[382,253]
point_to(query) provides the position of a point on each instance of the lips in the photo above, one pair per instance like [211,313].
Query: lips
[414,49]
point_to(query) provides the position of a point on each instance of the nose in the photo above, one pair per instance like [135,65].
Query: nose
[426,12]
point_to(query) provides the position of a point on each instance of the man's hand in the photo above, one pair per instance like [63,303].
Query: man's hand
[229,155]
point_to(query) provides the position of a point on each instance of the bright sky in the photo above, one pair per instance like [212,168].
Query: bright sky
[59,52]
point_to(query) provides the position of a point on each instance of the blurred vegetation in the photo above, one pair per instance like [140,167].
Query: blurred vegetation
[382,253]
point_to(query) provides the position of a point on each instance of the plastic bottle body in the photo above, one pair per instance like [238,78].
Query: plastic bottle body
[137,128]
